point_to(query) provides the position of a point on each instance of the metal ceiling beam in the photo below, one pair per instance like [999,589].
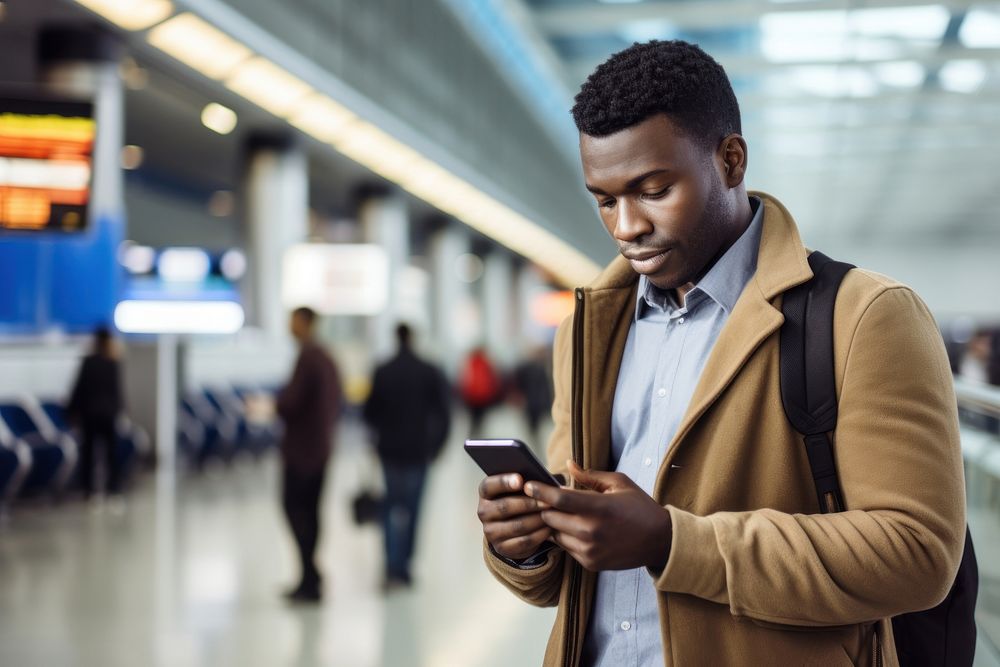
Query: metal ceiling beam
[582,19]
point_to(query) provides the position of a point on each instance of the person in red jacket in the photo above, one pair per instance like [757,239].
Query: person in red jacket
[479,386]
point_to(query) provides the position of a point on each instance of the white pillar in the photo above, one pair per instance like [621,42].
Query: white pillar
[277,216]
[386,223]
[498,307]
[456,314]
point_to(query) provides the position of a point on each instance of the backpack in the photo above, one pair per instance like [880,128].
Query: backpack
[946,634]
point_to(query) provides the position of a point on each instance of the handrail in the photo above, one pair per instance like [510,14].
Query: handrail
[977,397]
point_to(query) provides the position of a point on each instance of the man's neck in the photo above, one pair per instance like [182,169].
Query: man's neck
[745,213]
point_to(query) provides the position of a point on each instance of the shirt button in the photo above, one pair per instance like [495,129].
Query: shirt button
[680,321]
[626,626]
[647,462]
[661,392]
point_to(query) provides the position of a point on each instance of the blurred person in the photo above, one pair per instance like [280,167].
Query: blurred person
[533,389]
[692,533]
[309,406]
[408,409]
[479,387]
[94,406]
[978,356]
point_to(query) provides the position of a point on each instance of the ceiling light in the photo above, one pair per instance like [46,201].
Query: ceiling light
[233,265]
[918,23]
[834,81]
[137,259]
[131,157]
[180,317]
[183,265]
[900,74]
[130,14]
[981,29]
[962,76]
[199,45]
[322,118]
[218,118]
[268,86]
[366,144]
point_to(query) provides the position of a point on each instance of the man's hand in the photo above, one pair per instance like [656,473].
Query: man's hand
[611,524]
[512,522]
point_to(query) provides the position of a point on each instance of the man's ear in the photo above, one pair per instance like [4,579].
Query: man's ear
[734,159]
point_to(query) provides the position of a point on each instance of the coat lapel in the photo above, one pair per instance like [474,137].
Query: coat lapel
[781,264]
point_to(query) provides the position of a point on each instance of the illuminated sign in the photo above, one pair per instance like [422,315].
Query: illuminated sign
[46,164]
[336,279]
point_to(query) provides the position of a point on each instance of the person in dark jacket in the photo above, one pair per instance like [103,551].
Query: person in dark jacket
[408,410]
[533,389]
[94,406]
[309,406]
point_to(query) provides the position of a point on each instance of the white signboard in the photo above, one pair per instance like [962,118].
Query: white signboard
[336,279]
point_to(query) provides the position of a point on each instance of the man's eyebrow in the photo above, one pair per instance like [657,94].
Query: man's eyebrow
[631,183]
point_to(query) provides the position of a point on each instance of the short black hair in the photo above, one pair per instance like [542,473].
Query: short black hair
[305,313]
[675,78]
[404,335]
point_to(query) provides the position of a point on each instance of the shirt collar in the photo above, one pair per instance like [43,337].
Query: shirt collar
[723,283]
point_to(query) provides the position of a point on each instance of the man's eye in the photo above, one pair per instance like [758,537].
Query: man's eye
[608,203]
[657,194]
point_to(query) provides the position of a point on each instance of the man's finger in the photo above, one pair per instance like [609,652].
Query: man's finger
[524,546]
[563,522]
[567,500]
[498,531]
[571,545]
[591,479]
[499,485]
[507,508]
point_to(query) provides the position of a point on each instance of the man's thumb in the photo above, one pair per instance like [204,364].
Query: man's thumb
[590,479]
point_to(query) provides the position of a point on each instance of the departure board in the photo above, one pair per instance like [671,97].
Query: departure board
[46,164]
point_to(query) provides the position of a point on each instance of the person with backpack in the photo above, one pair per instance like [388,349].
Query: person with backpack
[756,477]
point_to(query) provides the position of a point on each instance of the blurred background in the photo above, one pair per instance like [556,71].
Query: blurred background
[187,172]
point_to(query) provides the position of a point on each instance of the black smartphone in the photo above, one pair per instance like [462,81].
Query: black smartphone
[499,457]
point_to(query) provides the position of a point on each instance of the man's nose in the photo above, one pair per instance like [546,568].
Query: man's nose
[631,223]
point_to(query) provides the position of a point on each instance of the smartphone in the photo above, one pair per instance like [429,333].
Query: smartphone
[499,457]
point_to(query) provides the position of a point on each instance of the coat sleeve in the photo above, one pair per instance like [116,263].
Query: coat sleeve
[293,396]
[541,586]
[898,546]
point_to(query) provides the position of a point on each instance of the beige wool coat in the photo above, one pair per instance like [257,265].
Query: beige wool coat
[756,575]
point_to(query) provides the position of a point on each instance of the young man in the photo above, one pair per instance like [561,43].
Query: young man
[409,411]
[705,545]
[309,406]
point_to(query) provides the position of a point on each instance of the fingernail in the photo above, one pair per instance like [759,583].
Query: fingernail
[529,489]
[512,481]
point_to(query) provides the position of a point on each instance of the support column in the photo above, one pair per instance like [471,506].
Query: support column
[498,307]
[277,216]
[385,222]
[456,314]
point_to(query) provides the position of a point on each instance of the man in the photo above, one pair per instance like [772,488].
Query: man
[706,545]
[95,403]
[409,412]
[309,407]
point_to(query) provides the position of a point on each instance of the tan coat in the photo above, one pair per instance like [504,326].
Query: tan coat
[756,576]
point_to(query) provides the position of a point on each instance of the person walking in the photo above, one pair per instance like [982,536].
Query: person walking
[480,388]
[94,405]
[533,390]
[309,406]
[692,532]
[408,410]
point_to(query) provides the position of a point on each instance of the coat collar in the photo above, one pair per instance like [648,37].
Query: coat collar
[781,264]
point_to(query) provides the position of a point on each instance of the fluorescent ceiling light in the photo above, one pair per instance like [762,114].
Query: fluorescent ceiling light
[179,317]
[366,144]
[268,86]
[963,76]
[130,14]
[833,81]
[199,45]
[927,22]
[981,28]
[900,74]
[322,118]
[218,118]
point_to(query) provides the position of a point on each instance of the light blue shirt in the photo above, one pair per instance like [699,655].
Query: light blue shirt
[665,353]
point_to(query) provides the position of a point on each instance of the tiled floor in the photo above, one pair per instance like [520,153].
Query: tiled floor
[190,575]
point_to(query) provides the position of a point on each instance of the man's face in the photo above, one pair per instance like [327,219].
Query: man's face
[662,196]
[298,326]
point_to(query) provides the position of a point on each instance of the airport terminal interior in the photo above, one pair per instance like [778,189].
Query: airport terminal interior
[182,179]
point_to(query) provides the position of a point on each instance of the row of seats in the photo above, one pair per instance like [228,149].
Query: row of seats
[39,448]
[223,422]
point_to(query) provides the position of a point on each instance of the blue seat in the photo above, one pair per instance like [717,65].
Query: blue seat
[215,434]
[15,463]
[53,455]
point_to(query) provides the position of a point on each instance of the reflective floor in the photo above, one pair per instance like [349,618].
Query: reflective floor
[190,574]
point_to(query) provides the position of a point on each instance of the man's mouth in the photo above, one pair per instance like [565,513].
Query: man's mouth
[649,261]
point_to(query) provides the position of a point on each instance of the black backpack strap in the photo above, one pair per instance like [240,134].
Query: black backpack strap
[808,389]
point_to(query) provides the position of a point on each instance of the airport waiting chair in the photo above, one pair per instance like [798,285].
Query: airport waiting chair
[15,464]
[53,454]
[133,441]
[250,436]
[217,433]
